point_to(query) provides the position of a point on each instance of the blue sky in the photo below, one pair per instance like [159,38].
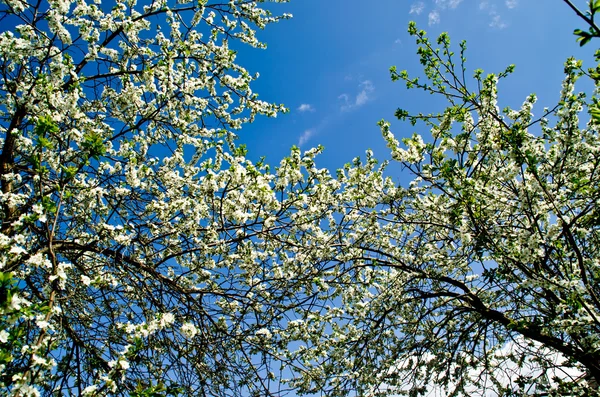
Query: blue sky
[329,65]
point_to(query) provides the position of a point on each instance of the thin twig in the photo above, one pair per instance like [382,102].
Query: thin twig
[583,16]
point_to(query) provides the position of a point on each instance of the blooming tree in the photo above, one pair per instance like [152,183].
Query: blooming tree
[142,254]
[137,244]
[481,274]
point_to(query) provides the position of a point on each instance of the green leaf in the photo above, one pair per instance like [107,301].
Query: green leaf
[401,114]
[595,113]
[46,125]
[69,171]
[44,143]
[240,151]
[49,205]
[584,37]
[94,145]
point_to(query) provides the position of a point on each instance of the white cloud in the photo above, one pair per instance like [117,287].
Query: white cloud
[434,17]
[306,107]
[417,8]
[346,102]
[306,135]
[364,95]
[367,85]
[447,3]
[398,41]
[497,22]
[362,98]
